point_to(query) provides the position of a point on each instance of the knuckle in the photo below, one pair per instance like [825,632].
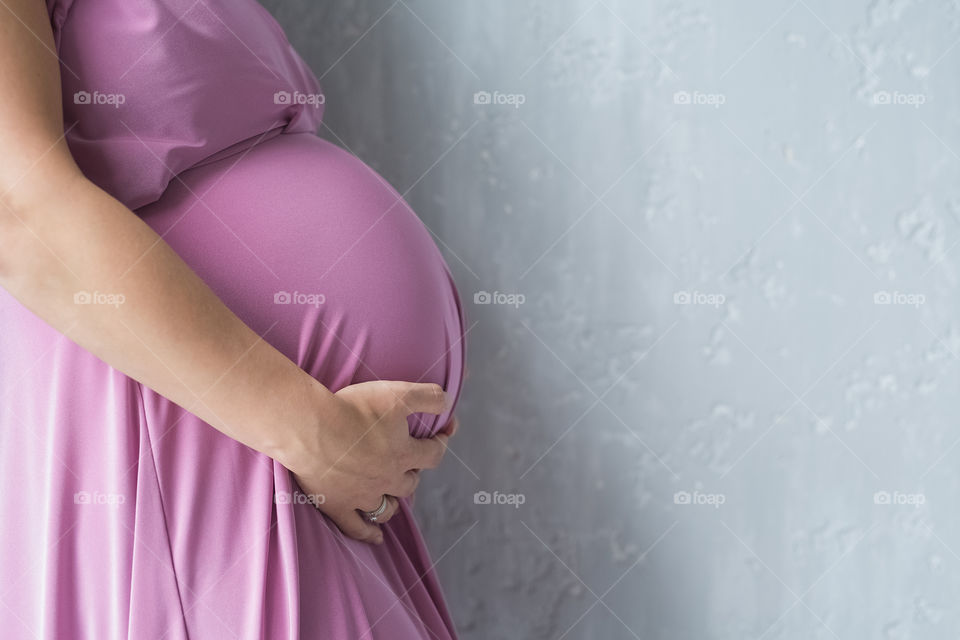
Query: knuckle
[399,390]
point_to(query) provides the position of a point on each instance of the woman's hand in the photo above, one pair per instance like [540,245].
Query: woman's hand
[363,450]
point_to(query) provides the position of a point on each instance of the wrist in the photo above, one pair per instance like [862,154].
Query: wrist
[300,435]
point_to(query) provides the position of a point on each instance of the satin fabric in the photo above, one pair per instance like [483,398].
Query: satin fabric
[178,81]
[124,515]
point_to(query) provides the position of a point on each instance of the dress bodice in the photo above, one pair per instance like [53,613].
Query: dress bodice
[154,87]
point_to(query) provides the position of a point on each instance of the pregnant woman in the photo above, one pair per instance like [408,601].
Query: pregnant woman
[227,347]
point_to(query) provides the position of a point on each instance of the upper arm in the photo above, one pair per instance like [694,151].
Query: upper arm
[33,151]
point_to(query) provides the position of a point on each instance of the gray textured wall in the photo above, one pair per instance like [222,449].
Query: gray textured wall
[777,457]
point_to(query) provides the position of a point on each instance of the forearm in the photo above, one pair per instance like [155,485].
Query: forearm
[170,332]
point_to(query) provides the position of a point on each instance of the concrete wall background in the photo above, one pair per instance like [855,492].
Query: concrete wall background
[781,166]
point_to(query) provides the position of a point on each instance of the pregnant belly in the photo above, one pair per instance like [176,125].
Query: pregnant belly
[314,251]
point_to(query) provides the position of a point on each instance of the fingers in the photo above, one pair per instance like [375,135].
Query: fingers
[376,503]
[426,453]
[354,525]
[451,427]
[407,485]
[421,397]
[393,505]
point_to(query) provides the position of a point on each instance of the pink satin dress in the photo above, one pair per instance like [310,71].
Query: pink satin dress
[125,516]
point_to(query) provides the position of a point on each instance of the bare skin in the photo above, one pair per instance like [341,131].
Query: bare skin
[61,234]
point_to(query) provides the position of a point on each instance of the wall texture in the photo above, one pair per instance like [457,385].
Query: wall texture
[720,369]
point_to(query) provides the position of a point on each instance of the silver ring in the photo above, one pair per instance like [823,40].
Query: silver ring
[376,513]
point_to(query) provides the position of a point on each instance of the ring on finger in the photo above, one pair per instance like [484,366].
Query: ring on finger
[376,513]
